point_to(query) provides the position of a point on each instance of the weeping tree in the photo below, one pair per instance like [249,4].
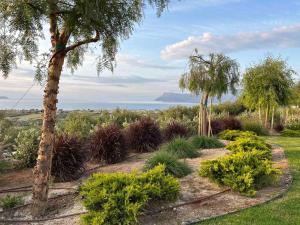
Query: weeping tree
[267,86]
[210,76]
[73,26]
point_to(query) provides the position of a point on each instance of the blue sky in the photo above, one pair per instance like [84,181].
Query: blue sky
[151,60]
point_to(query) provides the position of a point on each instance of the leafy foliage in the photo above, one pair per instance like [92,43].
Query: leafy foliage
[76,124]
[205,142]
[172,165]
[115,197]
[9,201]
[232,108]
[68,158]
[181,148]
[173,130]
[227,123]
[232,135]
[144,135]
[255,127]
[295,125]
[26,148]
[108,144]
[242,171]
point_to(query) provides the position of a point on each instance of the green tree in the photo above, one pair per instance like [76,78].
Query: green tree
[212,76]
[73,26]
[295,94]
[267,85]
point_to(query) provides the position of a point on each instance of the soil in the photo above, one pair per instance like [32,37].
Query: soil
[193,187]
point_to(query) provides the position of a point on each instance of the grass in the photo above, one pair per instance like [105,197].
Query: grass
[283,211]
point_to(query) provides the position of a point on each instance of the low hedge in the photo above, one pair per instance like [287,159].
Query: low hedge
[118,198]
[232,135]
[205,142]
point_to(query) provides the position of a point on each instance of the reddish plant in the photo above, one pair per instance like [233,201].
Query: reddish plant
[229,123]
[175,129]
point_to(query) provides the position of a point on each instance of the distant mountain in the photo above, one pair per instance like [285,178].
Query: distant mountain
[3,97]
[189,98]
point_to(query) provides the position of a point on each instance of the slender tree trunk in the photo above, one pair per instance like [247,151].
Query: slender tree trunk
[204,115]
[272,120]
[42,170]
[200,117]
[267,117]
[259,115]
[209,119]
[286,115]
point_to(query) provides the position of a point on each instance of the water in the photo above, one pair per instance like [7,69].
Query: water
[71,105]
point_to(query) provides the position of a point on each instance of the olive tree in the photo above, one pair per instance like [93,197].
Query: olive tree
[210,76]
[73,26]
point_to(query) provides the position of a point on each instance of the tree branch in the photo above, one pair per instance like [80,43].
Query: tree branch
[79,43]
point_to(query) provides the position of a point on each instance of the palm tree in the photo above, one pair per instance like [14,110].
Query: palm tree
[212,76]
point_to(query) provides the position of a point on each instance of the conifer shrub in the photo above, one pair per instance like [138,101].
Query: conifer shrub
[242,171]
[144,135]
[205,142]
[26,147]
[232,135]
[249,144]
[172,165]
[118,198]
[174,130]
[108,144]
[181,148]
[68,158]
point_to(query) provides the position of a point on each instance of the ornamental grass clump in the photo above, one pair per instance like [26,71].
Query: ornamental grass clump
[172,165]
[108,144]
[68,158]
[181,148]
[144,135]
[232,135]
[118,198]
[242,171]
[202,142]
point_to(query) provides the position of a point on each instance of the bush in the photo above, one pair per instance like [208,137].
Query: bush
[232,108]
[68,158]
[242,171]
[174,130]
[205,142]
[232,135]
[278,127]
[171,163]
[76,124]
[290,133]
[119,197]
[254,127]
[229,123]
[181,148]
[249,144]
[108,144]
[144,135]
[8,133]
[295,125]
[27,145]
[9,201]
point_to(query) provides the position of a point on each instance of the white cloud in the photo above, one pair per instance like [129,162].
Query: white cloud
[279,37]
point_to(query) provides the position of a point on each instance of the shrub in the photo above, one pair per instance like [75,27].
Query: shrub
[108,144]
[242,171]
[68,158]
[295,125]
[173,166]
[175,129]
[9,201]
[249,144]
[181,148]
[76,124]
[144,135]
[8,133]
[290,133]
[228,123]
[278,127]
[120,197]
[232,108]
[27,145]
[232,135]
[255,127]
[205,142]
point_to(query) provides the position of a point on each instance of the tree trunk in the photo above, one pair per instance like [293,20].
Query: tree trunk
[204,115]
[42,170]
[272,120]
[267,117]
[200,117]
[209,119]
[259,115]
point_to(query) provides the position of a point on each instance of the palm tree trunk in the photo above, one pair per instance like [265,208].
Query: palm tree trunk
[42,170]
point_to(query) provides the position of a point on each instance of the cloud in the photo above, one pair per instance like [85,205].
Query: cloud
[279,37]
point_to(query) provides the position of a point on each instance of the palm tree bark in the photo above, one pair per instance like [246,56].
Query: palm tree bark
[42,170]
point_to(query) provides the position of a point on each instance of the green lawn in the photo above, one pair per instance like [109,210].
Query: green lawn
[283,211]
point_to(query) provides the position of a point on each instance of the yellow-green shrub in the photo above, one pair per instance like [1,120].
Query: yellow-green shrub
[242,171]
[232,135]
[118,198]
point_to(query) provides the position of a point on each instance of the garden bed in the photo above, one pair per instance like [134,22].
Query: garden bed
[199,198]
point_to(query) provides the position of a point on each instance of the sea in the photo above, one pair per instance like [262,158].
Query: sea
[72,105]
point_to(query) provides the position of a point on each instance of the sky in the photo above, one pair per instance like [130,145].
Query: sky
[151,61]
